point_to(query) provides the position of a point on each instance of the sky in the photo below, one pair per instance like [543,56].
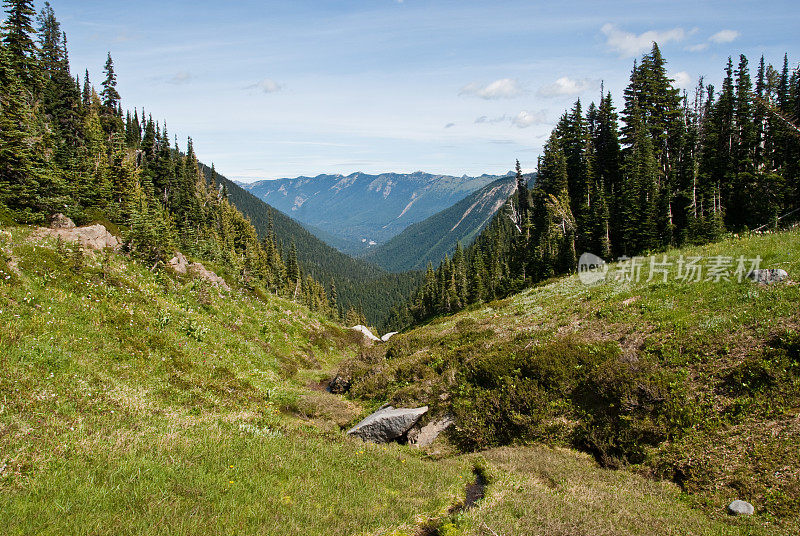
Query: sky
[281,89]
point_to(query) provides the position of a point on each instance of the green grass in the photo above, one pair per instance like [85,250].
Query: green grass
[537,490]
[694,382]
[138,402]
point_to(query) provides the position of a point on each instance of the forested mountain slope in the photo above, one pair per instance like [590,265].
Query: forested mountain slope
[363,209]
[359,284]
[430,240]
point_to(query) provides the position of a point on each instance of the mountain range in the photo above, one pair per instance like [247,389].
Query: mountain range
[359,211]
[359,284]
[433,238]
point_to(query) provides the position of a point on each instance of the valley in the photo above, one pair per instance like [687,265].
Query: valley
[361,211]
[603,341]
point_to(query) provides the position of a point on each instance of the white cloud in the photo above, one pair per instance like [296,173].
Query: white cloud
[630,44]
[524,119]
[725,36]
[566,86]
[682,79]
[267,85]
[697,48]
[505,88]
[182,77]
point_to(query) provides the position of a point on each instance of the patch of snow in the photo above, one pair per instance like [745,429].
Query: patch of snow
[365,330]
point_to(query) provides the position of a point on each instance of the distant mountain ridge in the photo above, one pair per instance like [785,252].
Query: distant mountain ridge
[359,284]
[359,211]
[430,240]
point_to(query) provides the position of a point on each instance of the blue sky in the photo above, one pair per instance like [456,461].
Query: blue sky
[279,89]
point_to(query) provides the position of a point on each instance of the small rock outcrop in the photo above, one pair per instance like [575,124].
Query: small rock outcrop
[179,263]
[387,424]
[94,237]
[59,221]
[425,436]
[741,508]
[199,271]
[768,276]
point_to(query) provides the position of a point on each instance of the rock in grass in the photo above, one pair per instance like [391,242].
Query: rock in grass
[95,237]
[179,263]
[422,437]
[741,508]
[199,271]
[387,424]
[768,276]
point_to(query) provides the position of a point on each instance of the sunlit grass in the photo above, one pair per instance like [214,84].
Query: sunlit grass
[135,402]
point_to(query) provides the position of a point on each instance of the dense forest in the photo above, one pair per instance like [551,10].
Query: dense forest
[670,169]
[65,147]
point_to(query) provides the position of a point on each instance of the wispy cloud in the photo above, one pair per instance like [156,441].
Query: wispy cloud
[181,77]
[566,86]
[487,120]
[630,44]
[505,88]
[267,85]
[724,36]
[524,119]
[719,38]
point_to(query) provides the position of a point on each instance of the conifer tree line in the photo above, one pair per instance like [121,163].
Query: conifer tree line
[669,169]
[65,147]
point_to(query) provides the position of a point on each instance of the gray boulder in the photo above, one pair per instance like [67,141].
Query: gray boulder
[741,508]
[387,424]
[768,276]
[422,437]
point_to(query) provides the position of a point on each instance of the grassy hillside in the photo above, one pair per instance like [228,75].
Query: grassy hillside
[694,382]
[430,240]
[358,283]
[139,402]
